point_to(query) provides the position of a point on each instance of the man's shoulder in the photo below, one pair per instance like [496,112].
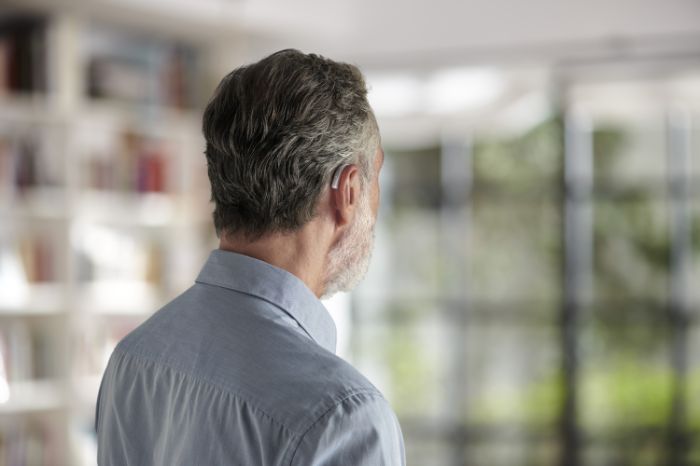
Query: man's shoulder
[316,383]
[273,368]
[328,374]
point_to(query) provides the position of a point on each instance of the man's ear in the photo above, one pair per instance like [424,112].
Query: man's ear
[344,198]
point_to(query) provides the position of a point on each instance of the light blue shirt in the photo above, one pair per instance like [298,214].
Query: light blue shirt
[240,369]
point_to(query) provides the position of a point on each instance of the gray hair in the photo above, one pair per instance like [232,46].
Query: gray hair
[275,132]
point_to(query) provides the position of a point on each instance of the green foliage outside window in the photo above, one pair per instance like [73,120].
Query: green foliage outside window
[514,263]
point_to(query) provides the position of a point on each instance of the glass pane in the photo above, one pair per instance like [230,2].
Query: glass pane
[631,248]
[406,355]
[514,251]
[625,377]
[454,228]
[529,162]
[693,454]
[422,450]
[640,450]
[693,379]
[629,153]
[513,376]
[695,259]
[695,150]
[413,177]
[513,452]
[406,256]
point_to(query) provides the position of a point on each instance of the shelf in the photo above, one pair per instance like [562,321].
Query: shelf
[192,20]
[111,205]
[164,121]
[28,108]
[147,209]
[86,388]
[43,202]
[127,208]
[45,299]
[31,396]
[109,111]
[119,298]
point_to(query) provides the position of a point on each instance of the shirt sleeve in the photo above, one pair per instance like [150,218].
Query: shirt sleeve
[360,430]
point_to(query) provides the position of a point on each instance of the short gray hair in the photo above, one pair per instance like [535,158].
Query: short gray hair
[275,132]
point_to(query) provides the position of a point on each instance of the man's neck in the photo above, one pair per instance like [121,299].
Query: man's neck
[302,253]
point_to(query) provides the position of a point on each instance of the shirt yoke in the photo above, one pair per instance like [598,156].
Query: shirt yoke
[245,350]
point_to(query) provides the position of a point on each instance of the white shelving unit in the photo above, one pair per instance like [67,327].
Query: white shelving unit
[115,255]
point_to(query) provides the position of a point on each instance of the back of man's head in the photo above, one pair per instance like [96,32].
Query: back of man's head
[275,131]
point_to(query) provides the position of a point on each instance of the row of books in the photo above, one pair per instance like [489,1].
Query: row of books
[29,442]
[22,54]
[28,258]
[33,258]
[141,69]
[105,254]
[120,66]
[38,257]
[134,164]
[28,351]
[24,164]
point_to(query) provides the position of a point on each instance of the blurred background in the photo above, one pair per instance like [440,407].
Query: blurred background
[535,287]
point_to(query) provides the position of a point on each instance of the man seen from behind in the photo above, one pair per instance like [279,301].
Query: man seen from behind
[240,369]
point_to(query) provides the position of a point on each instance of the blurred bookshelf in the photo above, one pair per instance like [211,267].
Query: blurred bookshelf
[104,207]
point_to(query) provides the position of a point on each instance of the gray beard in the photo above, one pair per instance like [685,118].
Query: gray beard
[348,260]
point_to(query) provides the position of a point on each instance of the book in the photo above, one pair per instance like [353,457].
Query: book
[23,54]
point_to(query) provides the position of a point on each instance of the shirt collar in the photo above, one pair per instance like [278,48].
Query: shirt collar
[275,285]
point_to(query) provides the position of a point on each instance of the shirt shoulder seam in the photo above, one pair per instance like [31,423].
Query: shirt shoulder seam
[217,284]
[256,296]
[250,402]
[369,391]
